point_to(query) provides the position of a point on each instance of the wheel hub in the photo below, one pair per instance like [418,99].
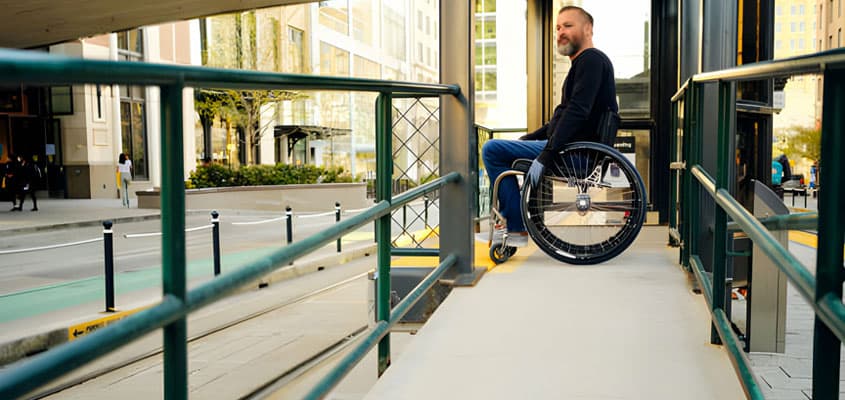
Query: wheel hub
[582,202]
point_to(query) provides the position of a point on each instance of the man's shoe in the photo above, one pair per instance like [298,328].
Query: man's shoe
[34,209]
[17,209]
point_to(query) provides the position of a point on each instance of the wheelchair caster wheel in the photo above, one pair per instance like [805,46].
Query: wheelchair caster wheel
[500,254]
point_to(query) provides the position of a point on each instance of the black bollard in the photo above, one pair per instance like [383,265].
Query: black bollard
[215,240]
[289,218]
[404,218]
[108,257]
[337,219]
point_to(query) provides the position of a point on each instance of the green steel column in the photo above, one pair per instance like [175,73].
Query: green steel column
[686,178]
[694,189]
[173,239]
[826,346]
[720,236]
[673,186]
[384,178]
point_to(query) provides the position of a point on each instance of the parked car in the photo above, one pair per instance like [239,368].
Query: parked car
[796,181]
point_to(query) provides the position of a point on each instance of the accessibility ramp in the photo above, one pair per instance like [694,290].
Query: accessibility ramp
[534,328]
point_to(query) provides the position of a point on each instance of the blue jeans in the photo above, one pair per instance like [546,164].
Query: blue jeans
[498,155]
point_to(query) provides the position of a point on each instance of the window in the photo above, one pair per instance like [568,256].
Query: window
[393,28]
[133,104]
[839,38]
[801,43]
[778,44]
[419,20]
[801,27]
[419,52]
[334,15]
[427,25]
[333,61]
[428,55]
[801,9]
[777,27]
[485,28]
[485,6]
[792,27]
[792,10]
[296,50]
[779,10]
[792,44]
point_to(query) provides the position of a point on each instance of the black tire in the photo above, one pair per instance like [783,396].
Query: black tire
[588,207]
[500,254]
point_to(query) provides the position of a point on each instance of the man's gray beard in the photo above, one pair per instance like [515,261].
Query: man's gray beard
[566,50]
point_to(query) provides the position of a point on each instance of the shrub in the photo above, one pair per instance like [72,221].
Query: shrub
[216,175]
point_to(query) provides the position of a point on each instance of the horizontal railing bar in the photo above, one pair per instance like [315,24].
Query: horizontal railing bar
[414,252]
[808,220]
[703,279]
[796,272]
[52,365]
[357,354]
[49,69]
[740,361]
[419,191]
[501,130]
[681,91]
[804,64]
[32,373]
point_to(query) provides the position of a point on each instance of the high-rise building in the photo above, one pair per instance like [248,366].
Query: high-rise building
[795,32]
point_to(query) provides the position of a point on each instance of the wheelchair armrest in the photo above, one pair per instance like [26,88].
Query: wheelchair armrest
[522,164]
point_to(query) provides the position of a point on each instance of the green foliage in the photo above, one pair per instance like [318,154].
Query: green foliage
[216,175]
[799,141]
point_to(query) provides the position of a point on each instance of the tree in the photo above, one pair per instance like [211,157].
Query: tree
[800,141]
[235,45]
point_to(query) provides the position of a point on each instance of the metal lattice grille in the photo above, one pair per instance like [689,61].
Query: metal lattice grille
[416,160]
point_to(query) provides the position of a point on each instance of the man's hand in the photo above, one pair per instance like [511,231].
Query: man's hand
[535,172]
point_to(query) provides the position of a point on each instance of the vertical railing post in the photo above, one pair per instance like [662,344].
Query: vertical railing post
[720,236]
[108,257]
[694,156]
[826,346]
[673,173]
[384,175]
[337,219]
[173,239]
[215,240]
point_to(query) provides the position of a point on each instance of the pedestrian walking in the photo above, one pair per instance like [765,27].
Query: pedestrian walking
[9,183]
[27,177]
[124,168]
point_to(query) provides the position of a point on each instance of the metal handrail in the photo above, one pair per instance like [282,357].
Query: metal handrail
[21,379]
[49,69]
[822,291]
[40,68]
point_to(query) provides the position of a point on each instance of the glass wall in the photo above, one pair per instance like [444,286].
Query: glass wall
[133,131]
[622,31]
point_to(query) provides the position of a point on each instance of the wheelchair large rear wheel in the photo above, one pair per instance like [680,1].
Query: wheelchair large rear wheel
[588,207]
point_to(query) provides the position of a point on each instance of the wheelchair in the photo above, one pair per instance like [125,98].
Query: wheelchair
[587,208]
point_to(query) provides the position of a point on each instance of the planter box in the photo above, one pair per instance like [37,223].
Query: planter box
[318,197]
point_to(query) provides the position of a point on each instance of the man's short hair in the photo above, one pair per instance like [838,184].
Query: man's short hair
[583,12]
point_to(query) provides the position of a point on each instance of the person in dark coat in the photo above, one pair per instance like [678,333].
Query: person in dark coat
[9,182]
[27,177]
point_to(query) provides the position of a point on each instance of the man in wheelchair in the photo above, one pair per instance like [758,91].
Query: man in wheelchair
[587,112]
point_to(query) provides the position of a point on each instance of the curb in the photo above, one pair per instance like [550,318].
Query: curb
[24,347]
[86,223]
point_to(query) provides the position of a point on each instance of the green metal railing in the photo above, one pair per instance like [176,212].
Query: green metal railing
[21,67]
[824,291]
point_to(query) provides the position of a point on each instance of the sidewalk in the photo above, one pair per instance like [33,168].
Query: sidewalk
[64,306]
[65,213]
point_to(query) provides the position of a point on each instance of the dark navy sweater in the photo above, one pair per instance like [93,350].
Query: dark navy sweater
[588,91]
